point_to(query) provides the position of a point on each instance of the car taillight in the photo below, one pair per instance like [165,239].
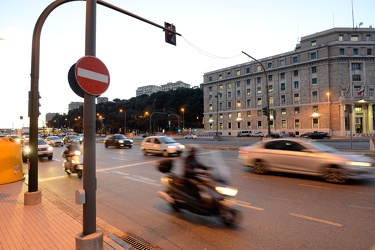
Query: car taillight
[242,151]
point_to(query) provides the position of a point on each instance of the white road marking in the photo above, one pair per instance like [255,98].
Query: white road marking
[337,189]
[316,219]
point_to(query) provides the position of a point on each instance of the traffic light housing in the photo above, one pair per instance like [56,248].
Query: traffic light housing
[265,111]
[170,33]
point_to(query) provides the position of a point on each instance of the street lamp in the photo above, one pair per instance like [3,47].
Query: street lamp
[124,120]
[267,94]
[183,119]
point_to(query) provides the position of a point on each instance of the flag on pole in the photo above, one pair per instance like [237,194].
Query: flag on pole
[360,92]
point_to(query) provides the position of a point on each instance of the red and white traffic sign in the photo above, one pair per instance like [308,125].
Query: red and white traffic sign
[92,75]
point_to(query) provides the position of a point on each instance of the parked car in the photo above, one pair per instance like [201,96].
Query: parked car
[244,133]
[118,140]
[306,134]
[319,135]
[301,156]
[44,150]
[288,134]
[71,139]
[258,134]
[191,136]
[163,145]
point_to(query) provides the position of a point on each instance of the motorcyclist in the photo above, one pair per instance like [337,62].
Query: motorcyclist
[69,150]
[193,182]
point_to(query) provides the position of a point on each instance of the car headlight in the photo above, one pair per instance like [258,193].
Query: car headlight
[131,141]
[121,141]
[27,150]
[359,163]
[77,152]
[230,191]
[171,147]
[182,146]
[50,148]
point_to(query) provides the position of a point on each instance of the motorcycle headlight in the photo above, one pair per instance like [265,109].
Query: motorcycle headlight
[230,191]
[77,152]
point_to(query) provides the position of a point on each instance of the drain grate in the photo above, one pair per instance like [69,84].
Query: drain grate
[138,243]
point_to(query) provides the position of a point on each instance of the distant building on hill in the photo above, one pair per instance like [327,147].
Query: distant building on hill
[149,89]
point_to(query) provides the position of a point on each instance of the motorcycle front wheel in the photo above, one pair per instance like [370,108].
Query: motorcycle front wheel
[229,216]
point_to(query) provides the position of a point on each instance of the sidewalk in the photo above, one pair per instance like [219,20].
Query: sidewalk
[41,226]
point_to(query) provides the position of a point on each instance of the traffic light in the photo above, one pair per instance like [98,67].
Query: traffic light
[265,111]
[170,33]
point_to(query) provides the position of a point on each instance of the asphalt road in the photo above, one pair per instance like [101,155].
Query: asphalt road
[279,211]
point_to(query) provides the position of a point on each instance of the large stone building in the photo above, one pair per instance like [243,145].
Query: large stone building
[313,88]
[149,89]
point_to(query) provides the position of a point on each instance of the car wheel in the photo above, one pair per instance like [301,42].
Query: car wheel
[24,158]
[105,145]
[165,153]
[260,167]
[118,146]
[130,146]
[335,174]
[50,157]
[144,152]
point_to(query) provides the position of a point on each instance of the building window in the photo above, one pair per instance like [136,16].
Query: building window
[354,38]
[229,125]
[238,125]
[210,89]
[355,51]
[296,110]
[211,107]
[313,70]
[248,113]
[313,56]
[229,94]
[259,112]
[229,105]
[282,62]
[248,125]
[220,86]
[210,98]
[259,90]
[295,59]
[282,99]
[238,93]
[238,72]
[248,91]
[315,109]
[270,88]
[283,123]
[295,73]
[229,74]
[210,78]
[282,86]
[238,83]
[229,85]
[356,78]
[313,43]
[341,38]
[248,70]
[238,104]
[270,78]
[271,100]
[296,123]
[259,68]
[282,75]
[259,80]
[220,125]
[315,95]
[356,66]
[239,115]
[248,102]
[369,52]
[259,124]
[220,76]
[314,81]
[283,111]
[221,116]
[358,107]
[259,102]
[269,66]
[368,37]
[315,122]
[296,97]
[296,84]
[221,106]
[229,115]
[342,52]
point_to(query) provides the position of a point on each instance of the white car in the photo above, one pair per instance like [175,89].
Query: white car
[257,134]
[301,156]
[191,136]
[163,145]
[44,150]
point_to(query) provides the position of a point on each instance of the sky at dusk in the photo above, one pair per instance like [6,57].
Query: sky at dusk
[214,32]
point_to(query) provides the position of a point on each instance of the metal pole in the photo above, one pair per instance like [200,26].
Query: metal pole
[267,94]
[89,174]
[217,114]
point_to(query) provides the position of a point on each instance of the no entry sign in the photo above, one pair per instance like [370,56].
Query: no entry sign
[92,75]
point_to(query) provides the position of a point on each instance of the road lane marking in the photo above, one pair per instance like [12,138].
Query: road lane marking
[244,204]
[125,166]
[362,207]
[53,178]
[149,181]
[336,189]
[316,219]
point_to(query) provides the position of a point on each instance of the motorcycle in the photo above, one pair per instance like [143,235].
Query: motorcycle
[211,198]
[72,163]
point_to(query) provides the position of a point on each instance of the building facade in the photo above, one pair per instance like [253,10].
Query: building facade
[74,105]
[326,84]
[149,89]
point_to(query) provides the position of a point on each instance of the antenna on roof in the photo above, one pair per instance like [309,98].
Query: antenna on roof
[352,14]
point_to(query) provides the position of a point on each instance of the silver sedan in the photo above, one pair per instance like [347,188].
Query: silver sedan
[301,156]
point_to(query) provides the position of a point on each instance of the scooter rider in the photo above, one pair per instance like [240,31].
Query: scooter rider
[69,150]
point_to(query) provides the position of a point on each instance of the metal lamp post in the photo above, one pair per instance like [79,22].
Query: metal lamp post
[183,118]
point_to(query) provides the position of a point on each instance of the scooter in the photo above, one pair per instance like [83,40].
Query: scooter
[211,198]
[72,163]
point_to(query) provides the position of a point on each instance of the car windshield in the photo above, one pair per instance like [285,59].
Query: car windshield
[41,142]
[120,137]
[54,138]
[73,137]
[168,140]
